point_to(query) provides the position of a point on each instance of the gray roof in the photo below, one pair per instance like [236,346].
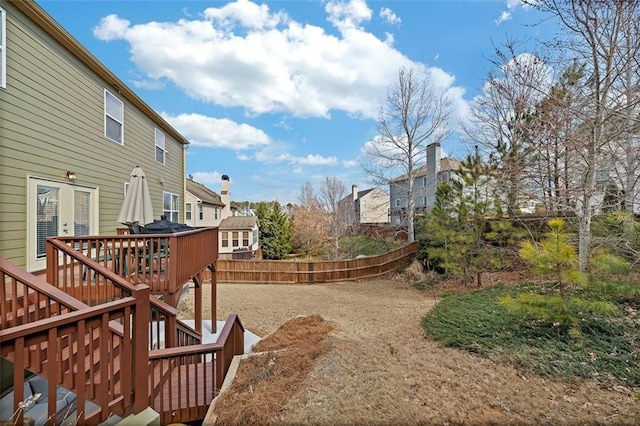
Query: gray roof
[203,193]
[239,222]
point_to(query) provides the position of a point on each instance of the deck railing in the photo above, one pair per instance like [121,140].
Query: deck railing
[89,350]
[78,275]
[91,327]
[198,374]
[165,262]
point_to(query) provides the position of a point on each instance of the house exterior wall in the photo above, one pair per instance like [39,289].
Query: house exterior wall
[52,118]
[209,218]
[225,252]
[374,207]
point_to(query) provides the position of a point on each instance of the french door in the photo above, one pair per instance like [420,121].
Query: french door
[57,209]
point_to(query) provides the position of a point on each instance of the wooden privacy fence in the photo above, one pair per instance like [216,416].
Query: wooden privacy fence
[301,272]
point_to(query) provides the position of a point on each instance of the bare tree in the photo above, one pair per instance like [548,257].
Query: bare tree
[501,115]
[414,116]
[332,190]
[596,37]
[309,228]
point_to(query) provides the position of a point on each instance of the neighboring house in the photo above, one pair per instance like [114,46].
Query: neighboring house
[70,134]
[427,177]
[203,207]
[370,206]
[238,234]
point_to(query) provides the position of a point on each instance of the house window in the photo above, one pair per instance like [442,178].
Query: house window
[187,212]
[113,117]
[444,177]
[245,238]
[424,181]
[3,48]
[201,211]
[255,237]
[225,239]
[424,201]
[397,202]
[234,239]
[160,150]
[215,213]
[170,206]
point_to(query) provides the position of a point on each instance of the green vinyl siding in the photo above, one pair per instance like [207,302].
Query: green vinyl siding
[52,120]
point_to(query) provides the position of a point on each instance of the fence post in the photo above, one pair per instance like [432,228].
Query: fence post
[140,344]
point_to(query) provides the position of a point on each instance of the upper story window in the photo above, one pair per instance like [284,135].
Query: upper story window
[444,177]
[201,211]
[187,211]
[3,48]
[160,149]
[424,181]
[113,117]
[397,202]
[170,206]
[215,213]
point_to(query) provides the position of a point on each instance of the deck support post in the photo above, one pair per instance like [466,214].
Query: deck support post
[140,342]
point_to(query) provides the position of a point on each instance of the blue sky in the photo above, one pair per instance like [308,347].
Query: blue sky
[279,93]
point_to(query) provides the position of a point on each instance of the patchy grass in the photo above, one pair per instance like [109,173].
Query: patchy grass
[266,381]
[608,351]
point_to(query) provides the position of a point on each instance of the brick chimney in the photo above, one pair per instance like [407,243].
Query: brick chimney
[225,197]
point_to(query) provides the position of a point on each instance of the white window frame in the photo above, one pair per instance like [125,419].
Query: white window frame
[224,239]
[200,211]
[3,48]
[174,202]
[119,120]
[397,202]
[187,211]
[160,143]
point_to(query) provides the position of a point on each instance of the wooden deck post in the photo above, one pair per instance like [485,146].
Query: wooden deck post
[214,301]
[140,343]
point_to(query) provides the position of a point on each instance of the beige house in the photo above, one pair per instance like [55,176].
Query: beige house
[203,207]
[238,234]
[370,206]
[70,134]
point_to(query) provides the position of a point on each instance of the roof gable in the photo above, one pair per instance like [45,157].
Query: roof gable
[203,193]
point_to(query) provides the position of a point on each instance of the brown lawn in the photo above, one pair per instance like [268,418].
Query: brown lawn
[377,366]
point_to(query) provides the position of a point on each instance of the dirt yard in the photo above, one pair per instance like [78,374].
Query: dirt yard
[381,369]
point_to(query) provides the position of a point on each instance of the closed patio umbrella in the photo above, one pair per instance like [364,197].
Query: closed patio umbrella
[137,208]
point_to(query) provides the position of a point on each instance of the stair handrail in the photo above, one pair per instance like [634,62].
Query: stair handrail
[217,355]
[175,331]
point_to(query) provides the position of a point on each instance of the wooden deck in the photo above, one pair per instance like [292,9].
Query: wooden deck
[89,325]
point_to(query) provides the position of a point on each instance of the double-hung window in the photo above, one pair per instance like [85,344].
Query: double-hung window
[200,211]
[160,149]
[3,48]
[113,117]
[170,206]
[187,212]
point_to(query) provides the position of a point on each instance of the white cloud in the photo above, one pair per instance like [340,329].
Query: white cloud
[347,164]
[244,55]
[346,15]
[212,132]
[389,16]
[504,16]
[275,156]
[512,6]
[207,178]
[148,84]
